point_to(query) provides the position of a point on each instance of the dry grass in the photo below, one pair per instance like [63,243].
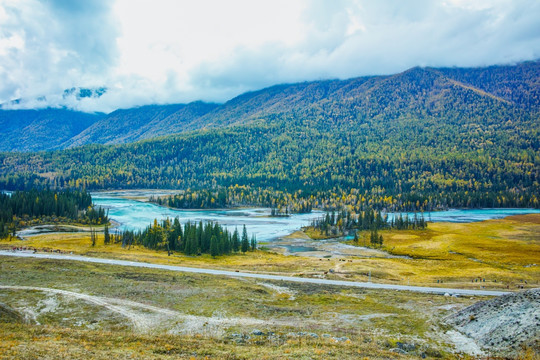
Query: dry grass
[316,234]
[504,250]
[297,235]
[24,342]
[78,243]
[374,321]
[446,254]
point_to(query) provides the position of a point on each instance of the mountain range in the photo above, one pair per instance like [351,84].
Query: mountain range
[453,94]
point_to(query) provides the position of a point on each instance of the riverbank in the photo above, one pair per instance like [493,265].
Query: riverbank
[158,313]
[136,194]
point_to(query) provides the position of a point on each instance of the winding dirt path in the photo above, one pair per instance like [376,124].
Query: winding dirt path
[147,317]
[138,321]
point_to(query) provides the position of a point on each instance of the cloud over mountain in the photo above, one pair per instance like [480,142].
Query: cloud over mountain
[175,51]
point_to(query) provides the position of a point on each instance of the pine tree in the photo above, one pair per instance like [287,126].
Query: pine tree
[374,237]
[93,237]
[214,246]
[245,240]
[107,237]
[236,241]
[253,243]
[188,246]
[227,242]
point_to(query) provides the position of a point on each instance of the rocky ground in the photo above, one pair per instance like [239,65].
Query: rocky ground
[502,325]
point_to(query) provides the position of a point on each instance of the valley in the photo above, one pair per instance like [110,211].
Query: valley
[149,304]
[269,180]
[463,253]
[145,312]
[335,180]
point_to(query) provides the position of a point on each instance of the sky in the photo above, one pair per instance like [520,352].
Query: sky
[178,51]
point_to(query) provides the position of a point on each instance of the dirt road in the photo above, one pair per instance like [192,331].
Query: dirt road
[367,285]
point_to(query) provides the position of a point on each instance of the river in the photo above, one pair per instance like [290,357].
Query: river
[135,215]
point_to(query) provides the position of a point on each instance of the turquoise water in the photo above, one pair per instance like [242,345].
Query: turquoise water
[136,215]
[298,248]
[470,215]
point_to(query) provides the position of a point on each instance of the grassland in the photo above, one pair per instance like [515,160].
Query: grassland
[51,309]
[494,254]
[506,251]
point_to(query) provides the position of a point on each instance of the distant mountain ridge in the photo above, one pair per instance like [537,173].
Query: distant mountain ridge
[35,130]
[417,92]
[130,125]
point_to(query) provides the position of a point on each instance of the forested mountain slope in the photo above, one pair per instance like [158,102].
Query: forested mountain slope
[32,130]
[129,125]
[418,92]
[518,84]
[418,139]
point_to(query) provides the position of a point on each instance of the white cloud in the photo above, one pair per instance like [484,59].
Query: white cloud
[166,51]
[48,46]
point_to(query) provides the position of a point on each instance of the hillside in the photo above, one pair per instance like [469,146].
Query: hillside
[498,93]
[34,130]
[518,84]
[129,125]
[502,325]
[414,140]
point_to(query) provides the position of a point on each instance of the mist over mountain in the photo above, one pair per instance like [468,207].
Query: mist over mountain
[68,99]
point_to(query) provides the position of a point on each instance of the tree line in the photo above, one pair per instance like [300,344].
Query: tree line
[345,222]
[23,208]
[190,239]
[280,202]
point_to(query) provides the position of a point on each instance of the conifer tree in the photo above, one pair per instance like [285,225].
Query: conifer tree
[245,240]
[226,242]
[374,237]
[236,241]
[93,237]
[253,243]
[107,237]
[214,246]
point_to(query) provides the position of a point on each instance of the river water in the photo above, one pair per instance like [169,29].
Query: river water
[136,215]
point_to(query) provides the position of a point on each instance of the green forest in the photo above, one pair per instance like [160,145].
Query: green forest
[190,239]
[343,223]
[359,169]
[280,202]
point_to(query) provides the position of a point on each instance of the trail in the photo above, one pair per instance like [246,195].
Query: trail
[147,317]
[206,271]
[137,320]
